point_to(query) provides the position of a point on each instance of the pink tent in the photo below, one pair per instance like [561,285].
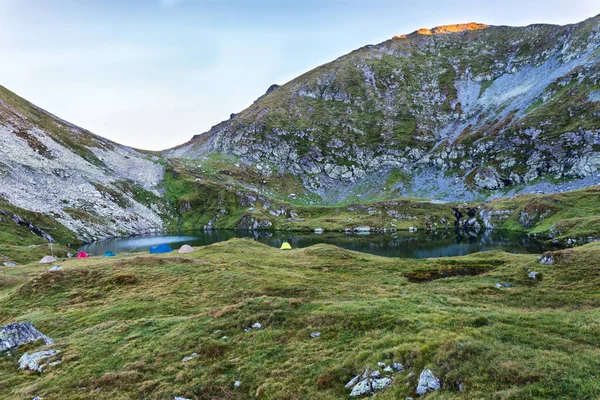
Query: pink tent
[82,254]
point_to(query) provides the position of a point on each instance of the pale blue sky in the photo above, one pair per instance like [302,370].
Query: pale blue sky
[152,73]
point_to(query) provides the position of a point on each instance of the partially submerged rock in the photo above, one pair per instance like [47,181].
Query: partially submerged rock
[427,382]
[34,361]
[15,334]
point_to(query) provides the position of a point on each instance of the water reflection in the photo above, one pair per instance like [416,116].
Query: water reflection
[398,244]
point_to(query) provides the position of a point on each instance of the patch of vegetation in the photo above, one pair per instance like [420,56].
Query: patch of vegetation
[123,325]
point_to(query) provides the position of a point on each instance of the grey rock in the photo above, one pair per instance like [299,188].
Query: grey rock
[397,367]
[375,374]
[315,335]
[352,382]
[498,286]
[17,333]
[237,384]
[190,357]
[546,259]
[427,382]
[9,264]
[33,361]
[256,325]
[55,268]
[181,398]
[381,383]
[361,388]
[381,364]
[507,285]
[533,275]
[388,369]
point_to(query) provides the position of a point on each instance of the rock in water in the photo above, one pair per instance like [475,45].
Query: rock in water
[32,361]
[427,382]
[17,333]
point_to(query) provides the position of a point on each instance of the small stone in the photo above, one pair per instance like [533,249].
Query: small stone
[388,369]
[181,398]
[498,286]
[546,259]
[55,268]
[375,374]
[315,335]
[506,284]
[190,357]
[427,382]
[381,364]
[10,264]
[224,338]
[237,384]
[533,274]
[256,325]
[398,367]
[410,374]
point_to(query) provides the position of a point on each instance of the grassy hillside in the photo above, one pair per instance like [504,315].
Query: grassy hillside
[124,325]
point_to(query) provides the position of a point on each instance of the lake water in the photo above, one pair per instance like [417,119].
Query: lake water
[399,244]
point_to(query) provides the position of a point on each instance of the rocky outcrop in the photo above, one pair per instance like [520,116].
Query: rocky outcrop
[460,112]
[23,222]
[16,334]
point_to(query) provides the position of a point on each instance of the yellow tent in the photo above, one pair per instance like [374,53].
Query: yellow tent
[286,246]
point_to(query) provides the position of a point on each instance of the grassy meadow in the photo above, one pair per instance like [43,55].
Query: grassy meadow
[124,324]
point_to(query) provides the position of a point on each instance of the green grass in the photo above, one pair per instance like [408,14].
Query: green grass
[123,325]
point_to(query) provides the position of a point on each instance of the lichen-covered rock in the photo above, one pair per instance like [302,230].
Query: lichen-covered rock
[33,361]
[427,382]
[15,334]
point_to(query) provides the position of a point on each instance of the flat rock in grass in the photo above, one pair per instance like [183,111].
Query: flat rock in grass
[17,333]
[381,364]
[375,374]
[55,268]
[257,325]
[181,398]
[190,357]
[237,384]
[315,335]
[388,369]
[34,361]
[427,382]
[10,264]
[397,367]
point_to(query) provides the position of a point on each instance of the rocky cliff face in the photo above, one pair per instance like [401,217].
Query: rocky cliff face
[457,112]
[94,187]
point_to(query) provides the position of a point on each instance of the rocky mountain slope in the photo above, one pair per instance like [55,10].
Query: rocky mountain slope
[87,184]
[459,112]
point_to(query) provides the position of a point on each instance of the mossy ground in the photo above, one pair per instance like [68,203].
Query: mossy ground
[124,324]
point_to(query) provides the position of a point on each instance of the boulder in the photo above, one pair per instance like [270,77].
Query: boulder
[17,333]
[361,388]
[427,382]
[34,361]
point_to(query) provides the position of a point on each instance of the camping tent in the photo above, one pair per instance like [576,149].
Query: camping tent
[82,254]
[186,249]
[161,248]
[47,260]
[109,254]
[286,246]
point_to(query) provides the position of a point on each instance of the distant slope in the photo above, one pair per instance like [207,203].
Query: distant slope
[92,186]
[457,112]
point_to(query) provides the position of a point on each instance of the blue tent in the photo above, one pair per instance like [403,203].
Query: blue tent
[161,248]
[109,254]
